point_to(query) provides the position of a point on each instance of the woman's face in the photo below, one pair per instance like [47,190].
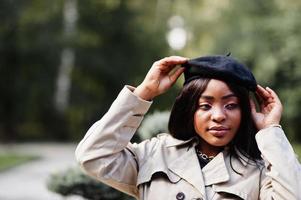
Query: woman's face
[218,116]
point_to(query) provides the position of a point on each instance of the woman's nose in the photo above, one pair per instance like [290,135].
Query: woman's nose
[218,115]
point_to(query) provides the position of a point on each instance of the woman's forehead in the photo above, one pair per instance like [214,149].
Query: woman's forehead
[215,85]
[217,89]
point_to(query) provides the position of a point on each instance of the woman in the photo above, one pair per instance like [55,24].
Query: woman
[219,146]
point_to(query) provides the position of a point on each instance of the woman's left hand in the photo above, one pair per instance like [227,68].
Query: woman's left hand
[270,108]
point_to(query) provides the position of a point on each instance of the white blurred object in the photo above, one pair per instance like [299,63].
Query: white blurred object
[177,35]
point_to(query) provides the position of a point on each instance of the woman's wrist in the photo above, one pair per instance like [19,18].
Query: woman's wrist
[272,125]
[143,93]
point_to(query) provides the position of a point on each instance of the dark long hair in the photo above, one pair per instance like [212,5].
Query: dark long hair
[181,121]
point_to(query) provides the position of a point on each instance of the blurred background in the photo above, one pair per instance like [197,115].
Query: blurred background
[62,62]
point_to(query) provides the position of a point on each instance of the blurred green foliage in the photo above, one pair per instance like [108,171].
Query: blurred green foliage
[74,182]
[114,44]
[116,41]
[153,124]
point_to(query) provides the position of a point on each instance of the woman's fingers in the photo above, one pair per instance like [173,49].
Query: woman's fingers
[267,95]
[276,100]
[273,95]
[263,93]
[172,60]
[168,63]
[174,76]
[160,77]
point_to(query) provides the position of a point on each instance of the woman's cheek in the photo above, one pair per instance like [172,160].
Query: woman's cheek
[236,118]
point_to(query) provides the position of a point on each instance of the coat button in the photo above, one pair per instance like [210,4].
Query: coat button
[180,196]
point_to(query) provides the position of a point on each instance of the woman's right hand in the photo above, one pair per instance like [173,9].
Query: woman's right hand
[158,79]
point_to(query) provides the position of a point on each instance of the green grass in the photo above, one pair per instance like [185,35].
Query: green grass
[10,160]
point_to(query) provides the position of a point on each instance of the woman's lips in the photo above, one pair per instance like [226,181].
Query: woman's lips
[218,131]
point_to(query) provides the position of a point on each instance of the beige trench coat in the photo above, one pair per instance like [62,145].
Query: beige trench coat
[164,168]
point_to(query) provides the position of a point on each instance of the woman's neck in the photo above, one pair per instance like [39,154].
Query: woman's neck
[209,150]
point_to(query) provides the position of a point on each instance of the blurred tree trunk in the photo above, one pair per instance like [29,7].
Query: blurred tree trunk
[63,82]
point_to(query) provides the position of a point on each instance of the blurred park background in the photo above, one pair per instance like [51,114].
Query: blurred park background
[62,62]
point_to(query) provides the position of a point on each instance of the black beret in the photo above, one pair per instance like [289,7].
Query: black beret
[219,67]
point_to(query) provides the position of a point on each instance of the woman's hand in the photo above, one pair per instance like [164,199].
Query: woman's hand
[159,78]
[270,108]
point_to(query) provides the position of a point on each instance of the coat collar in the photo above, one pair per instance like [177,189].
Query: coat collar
[186,166]
[215,172]
[173,142]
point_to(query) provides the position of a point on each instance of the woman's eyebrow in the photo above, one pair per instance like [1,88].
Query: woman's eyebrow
[207,97]
[229,96]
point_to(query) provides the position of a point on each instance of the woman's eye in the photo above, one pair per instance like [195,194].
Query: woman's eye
[232,106]
[204,106]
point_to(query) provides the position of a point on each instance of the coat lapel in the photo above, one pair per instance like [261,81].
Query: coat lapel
[187,167]
[216,171]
